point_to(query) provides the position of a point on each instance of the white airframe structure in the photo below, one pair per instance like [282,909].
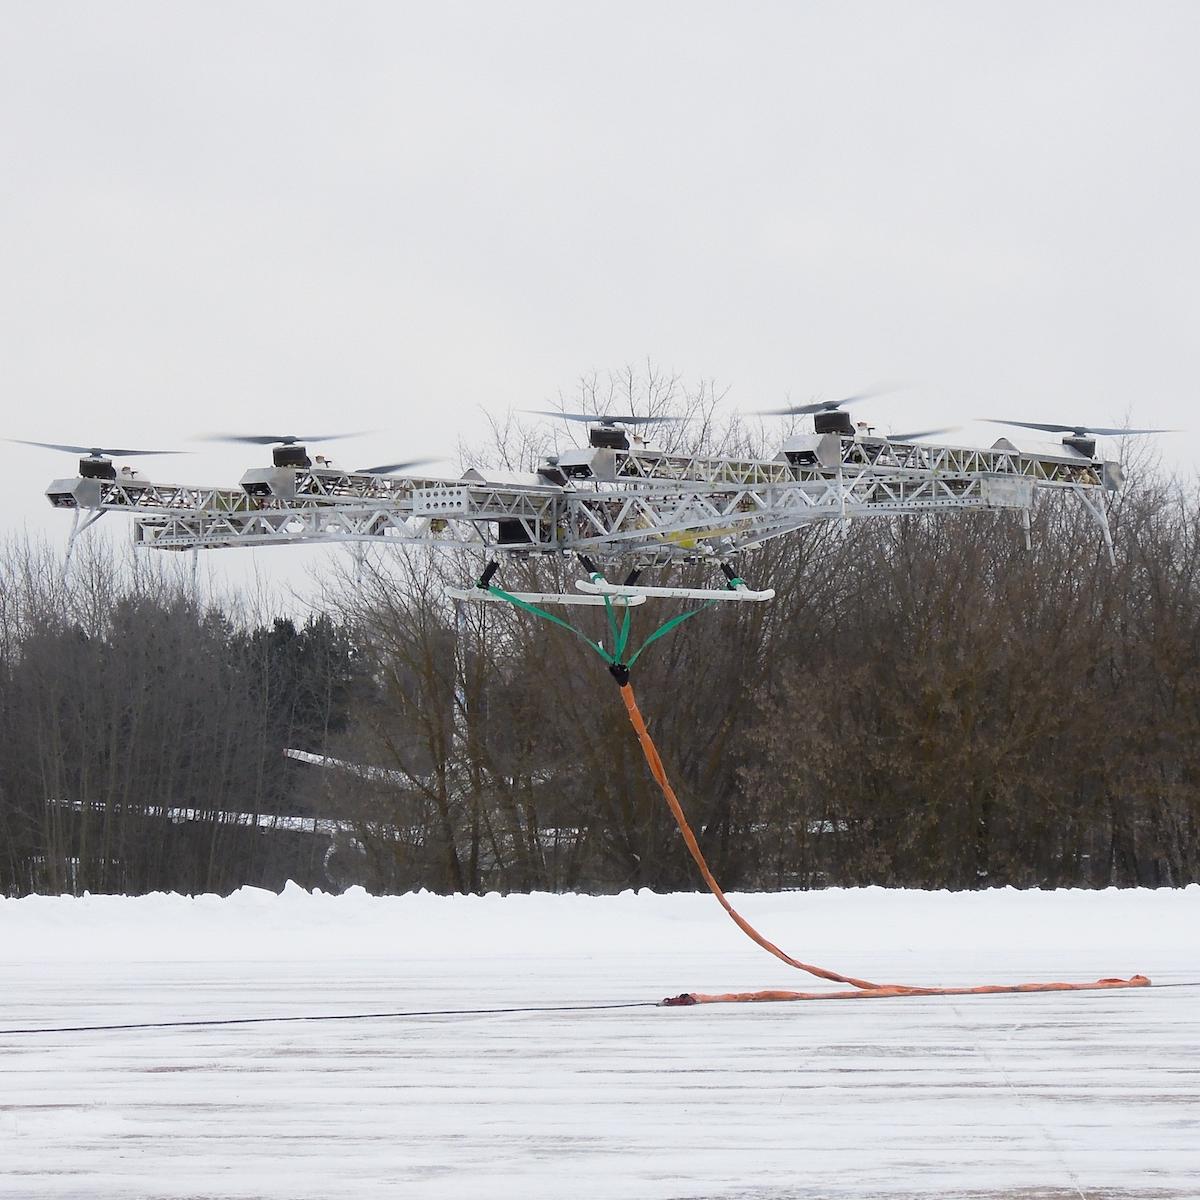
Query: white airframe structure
[616,503]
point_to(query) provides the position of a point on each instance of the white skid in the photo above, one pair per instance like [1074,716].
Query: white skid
[474,593]
[631,592]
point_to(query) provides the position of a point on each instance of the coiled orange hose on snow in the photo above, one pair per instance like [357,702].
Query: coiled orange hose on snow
[864,988]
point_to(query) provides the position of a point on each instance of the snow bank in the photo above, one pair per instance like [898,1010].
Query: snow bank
[1119,930]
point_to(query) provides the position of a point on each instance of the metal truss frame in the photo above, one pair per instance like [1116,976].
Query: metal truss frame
[642,506]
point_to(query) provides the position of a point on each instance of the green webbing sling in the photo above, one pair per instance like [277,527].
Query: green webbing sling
[620,632]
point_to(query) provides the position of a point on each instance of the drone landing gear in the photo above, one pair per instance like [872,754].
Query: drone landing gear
[77,527]
[597,591]
[484,593]
[736,590]
[486,597]
[1100,515]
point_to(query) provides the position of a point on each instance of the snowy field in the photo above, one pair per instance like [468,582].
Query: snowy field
[1034,1097]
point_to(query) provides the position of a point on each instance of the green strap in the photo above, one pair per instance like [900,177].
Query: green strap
[620,634]
[620,637]
[623,640]
[662,629]
[549,616]
[608,612]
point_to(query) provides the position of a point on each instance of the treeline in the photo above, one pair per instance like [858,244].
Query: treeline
[144,734]
[925,703]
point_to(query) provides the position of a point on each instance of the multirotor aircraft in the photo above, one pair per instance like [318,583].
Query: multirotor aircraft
[620,505]
[617,504]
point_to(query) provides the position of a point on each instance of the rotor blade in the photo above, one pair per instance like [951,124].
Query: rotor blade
[287,439]
[389,468]
[798,410]
[1119,432]
[605,418]
[1078,430]
[94,451]
[917,434]
[563,416]
[869,394]
[663,420]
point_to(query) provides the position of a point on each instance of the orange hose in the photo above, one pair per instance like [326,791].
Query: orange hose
[660,776]
[865,988]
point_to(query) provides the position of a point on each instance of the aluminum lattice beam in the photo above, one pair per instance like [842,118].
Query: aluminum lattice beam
[616,504]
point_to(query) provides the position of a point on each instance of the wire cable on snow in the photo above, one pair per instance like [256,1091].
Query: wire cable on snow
[376,1016]
[442,1012]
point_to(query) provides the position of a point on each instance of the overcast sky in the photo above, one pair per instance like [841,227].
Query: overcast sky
[297,217]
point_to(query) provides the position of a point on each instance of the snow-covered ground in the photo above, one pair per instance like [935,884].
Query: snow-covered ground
[1030,1096]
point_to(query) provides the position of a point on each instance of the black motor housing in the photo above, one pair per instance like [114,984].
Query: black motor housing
[833,422]
[291,456]
[97,468]
[608,437]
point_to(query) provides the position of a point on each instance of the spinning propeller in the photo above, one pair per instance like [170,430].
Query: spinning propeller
[1080,431]
[825,406]
[917,434]
[605,419]
[393,468]
[91,451]
[287,439]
